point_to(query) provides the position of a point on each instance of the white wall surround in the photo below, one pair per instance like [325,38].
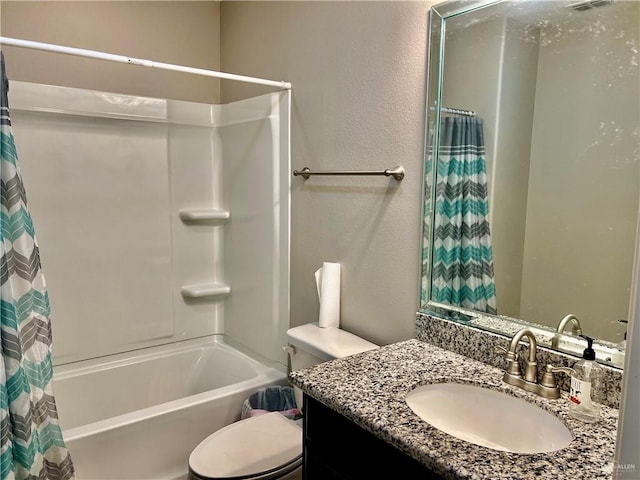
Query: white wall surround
[127,198]
[255,141]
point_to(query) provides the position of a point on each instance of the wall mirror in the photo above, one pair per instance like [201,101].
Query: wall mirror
[531,169]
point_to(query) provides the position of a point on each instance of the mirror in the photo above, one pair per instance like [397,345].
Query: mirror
[531,168]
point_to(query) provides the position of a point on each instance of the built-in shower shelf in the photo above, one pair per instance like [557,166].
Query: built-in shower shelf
[189,215]
[205,290]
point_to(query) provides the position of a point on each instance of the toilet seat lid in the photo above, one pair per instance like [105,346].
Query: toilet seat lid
[248,448]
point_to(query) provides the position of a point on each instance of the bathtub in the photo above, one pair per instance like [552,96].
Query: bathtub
[139,415]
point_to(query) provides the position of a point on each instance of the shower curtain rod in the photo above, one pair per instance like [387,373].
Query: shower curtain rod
[15,42]
[457,111]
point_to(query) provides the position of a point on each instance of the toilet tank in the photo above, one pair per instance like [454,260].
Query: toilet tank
[312,345]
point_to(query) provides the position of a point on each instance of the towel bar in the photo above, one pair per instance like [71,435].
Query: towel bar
[396,172]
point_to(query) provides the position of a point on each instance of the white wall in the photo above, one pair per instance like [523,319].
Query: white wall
[358,73]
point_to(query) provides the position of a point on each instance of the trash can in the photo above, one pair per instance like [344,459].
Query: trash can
[272,399]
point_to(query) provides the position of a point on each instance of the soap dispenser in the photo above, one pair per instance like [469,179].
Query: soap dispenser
[585,395]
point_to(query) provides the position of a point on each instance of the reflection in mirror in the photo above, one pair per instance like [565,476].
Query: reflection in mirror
[532,176]
[462,272]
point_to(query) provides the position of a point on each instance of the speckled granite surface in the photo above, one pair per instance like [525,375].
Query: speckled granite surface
[480,345]
[370,388]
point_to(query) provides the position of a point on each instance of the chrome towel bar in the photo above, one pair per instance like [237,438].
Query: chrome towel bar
[396,172]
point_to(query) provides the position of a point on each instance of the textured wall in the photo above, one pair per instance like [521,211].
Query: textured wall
[584,190]
[185,33]
[358,72]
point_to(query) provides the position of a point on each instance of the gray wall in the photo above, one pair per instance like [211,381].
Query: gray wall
[358,72]
[589,183]
[185,33]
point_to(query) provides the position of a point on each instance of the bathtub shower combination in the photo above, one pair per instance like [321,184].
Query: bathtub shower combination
[164,236]
[139,416]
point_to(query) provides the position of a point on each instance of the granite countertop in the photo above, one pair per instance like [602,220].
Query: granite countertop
[370,388]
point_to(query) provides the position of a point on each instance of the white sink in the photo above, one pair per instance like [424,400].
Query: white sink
[488,418]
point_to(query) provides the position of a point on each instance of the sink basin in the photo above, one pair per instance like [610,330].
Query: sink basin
[488,418]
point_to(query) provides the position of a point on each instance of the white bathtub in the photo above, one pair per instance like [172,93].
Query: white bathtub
[139,415]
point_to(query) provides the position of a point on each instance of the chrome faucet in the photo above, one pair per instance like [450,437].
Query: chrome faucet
[547,387]
[576,328]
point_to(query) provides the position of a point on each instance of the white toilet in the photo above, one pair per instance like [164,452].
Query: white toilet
[269,446]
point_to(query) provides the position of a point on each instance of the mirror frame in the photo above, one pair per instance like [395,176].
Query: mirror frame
[438,16]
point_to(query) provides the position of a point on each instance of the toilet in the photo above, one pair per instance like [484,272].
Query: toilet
[269,446]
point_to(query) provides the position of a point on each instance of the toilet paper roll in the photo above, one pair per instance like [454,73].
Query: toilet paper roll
[328,285]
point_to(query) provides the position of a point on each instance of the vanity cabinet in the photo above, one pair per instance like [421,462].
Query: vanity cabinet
[335,448]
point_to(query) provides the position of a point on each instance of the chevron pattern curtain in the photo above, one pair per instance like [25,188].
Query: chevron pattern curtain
[31,445]
[462,254]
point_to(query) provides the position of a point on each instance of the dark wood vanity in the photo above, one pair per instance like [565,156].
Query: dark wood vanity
[358,425]
[335,448]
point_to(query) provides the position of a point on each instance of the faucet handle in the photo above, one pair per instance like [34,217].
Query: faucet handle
[548,387]
[500,350]
[549,379]
[511,357]
[506,353]
[513,365]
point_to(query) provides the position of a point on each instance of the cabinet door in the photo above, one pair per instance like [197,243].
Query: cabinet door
[335,448]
